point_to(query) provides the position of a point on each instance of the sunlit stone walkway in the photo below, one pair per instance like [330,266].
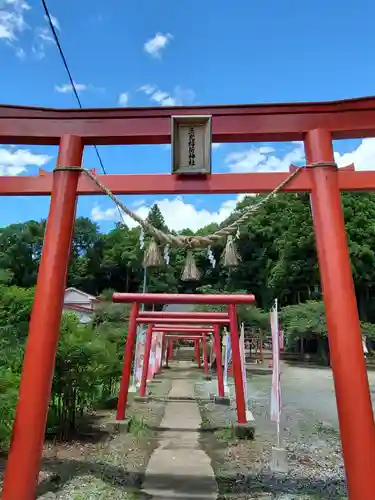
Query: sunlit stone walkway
[179,468]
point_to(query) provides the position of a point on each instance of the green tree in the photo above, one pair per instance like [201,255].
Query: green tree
[20,250]
[82,367]
[305,322]
[162,278]
[155,217]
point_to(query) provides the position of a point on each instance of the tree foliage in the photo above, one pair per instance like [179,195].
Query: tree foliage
[88,361]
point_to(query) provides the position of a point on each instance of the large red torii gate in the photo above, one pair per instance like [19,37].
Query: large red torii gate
[317,124]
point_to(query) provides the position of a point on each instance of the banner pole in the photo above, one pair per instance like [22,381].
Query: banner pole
[279,456]
[133,385]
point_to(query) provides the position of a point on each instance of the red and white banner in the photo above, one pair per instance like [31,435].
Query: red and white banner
[138,358]
[212,350]
[243,363]
[155,355]
[158,353]
[276,389]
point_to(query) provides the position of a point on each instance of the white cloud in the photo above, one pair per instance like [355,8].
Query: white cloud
[67,87]
[163,98]
[177,214]
[43,37]
[44,34]
[138,202]
[97,214]
[155,45]
[179,96]
[123,99]
[54,21]
[20,53]
[13,23]
[148,89]
[180,215]
[263,159]
[12,19]
[14,162]
[363,157]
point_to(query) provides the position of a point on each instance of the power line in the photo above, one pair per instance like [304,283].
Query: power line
[63,58]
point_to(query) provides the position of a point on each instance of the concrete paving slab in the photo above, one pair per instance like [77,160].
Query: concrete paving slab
[179,468]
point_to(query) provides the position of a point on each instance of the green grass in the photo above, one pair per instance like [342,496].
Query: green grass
[97,489]
[205,423]
[139,426]
[226,435]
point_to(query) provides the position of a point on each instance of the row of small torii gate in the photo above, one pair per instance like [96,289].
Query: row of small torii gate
[316,124]
[186,325]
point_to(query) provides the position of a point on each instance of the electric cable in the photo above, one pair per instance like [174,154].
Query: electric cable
[63,58]
[74,89]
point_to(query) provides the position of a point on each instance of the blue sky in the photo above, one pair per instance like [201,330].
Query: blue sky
[141,53]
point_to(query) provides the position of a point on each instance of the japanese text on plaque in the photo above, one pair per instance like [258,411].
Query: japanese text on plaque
[191,145]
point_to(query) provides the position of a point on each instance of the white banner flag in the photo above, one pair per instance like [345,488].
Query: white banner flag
[276,389]
[243,361]
[138,356]
[227,358]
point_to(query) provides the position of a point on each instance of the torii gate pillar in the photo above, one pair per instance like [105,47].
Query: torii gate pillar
[354,406]
[22,470]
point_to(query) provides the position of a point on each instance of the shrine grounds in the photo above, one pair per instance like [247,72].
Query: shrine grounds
[111,463]
[309,433]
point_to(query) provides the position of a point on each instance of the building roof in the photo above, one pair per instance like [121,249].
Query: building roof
[179,307]
[81,292]
[76,307]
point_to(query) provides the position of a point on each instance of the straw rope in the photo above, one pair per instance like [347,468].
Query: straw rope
[191,242]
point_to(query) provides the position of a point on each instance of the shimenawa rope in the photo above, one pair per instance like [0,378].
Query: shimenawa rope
[230,256]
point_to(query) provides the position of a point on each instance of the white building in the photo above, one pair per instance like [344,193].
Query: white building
[80,303]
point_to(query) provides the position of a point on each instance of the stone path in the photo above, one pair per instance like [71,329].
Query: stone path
[179,468]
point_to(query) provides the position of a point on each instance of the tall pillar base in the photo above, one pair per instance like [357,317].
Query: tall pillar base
[222,400]
[244,431]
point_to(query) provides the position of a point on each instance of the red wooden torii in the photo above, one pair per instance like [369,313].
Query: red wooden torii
[193,330]
[163,319]
[196,333]
[317,124]
[195,336]
[175,322]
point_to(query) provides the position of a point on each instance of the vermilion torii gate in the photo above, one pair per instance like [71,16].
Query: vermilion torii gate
[317,124]
[182,317]
[194,330]
[198,336]
[164,319]
[197,339]
[157,322]
[177,315]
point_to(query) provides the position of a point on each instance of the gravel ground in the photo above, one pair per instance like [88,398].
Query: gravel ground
[309,433]
[112,468]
